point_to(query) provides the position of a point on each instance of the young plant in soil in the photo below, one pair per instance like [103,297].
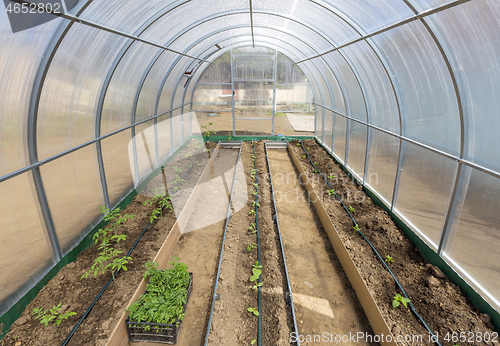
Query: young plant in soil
[331,192]
[160,201]
[106,239]
[165,296]
[252,212]
[398,299]
[251,247]
[52,316]
[252,228]
[254,311]
[388,258]
[256,271]
[351,209]
[208,131]
[356,228]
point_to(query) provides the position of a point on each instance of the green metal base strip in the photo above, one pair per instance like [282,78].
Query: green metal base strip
[7,319]
[256,138]
[429,254]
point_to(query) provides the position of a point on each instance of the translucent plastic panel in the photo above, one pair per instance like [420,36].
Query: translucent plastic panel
[19,61]
[174,78]
[24,249]
[379,94]
[68,103]
[372,15]
[357,147]
[128,16]
[311,14]
[187,123]
[177,127]
[382,164]
[477,23]
[287,72]
[149,93]
[219,71]
[117,166]
[425,189]
[356,107]
[339,136]
[122,90]
[74,193]
[296,29]
[267,42]
[145,144]
[294,97]
[253,109]
[213,97]
[253,90]
[328,129]
[253,68]
[474,244]
[249,50]
[428,103]
[337,102]
[422,5]
[319,123]
[164,136]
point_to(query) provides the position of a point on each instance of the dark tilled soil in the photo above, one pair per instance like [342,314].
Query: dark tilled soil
[445,308]
[77,294]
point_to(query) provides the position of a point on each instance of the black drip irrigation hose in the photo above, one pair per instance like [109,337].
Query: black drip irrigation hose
[113,276]
[373,248]
[228,217]
[259,293]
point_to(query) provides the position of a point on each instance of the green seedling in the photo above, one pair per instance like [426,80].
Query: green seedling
[255,204]
[356,228]
[253,341]
[160,201]
[256,271]
[315,163]
[255,184]
[252,212]
[332,176]
[106,239]
[252,228]
[52,316]
[257,285]
[307,148]
[304,157]
[250,247]
[298,144]
[178,169]
[351,209]
[229,136]
[398,299]
[388,258]
[254,192]
[208,131]
[331,192]
[315,171]
[254,311]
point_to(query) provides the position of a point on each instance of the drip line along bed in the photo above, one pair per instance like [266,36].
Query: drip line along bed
[283,250]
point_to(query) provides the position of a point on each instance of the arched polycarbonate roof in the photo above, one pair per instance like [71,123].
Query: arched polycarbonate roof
[393,80]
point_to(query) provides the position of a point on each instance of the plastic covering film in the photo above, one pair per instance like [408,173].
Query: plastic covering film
[117,166]
[74,194]
[339,136]
[379,94]
[24,249]
[119,100]
[382,164]
[337,101]
[352,91]
[319,123]
[473,247]
[145,144]
[167,93]
[472,31]
[429,108]
[219,71]
[19,61]
[425,189]
[68,103]
[422,5]
[177,127]
[372,15]
[211,97]
[164,135]
[357,147]
[328,129]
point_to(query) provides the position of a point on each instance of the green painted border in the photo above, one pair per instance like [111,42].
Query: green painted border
[429,254]
[7,319]
[214,138]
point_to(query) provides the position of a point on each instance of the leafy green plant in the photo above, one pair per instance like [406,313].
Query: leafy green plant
[255,185]
[106,238]
[315,163]
[166,293]
[229,136]
[254,192]
[177,169]
[256,271]
[388,258]
[298,144]
[253,228]
[398,299]
[356,228]
[52,316]
[250,247]
[255,204]
[208,131]
[332,176]
[315,171]
[160,201]
[304,157]
[331,192]
[253,341]
[257,285]
[254,311]
[351,209]
[307,148]
[252,212]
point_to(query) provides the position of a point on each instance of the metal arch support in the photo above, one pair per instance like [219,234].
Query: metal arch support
[459,188]
[32,130]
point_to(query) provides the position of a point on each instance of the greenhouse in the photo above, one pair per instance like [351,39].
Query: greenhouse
[200,172]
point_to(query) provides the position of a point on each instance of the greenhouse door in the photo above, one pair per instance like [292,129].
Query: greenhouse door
[253,80]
